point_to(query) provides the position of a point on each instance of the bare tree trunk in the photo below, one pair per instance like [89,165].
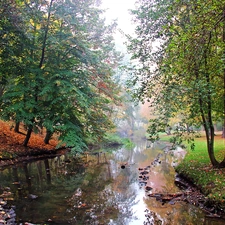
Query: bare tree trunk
[206,114]
[222,164]
[209,131]
[45,36]
[29,131]
[17,127]
[47,137]
[1,90]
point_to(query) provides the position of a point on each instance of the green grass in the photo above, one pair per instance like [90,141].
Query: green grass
[196,167]
[114,139]
[164,137]
[128,143]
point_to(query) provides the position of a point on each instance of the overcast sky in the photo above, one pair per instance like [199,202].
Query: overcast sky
[118,9]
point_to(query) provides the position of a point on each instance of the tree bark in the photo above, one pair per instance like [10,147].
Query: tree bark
[210,128]
[222,164]
[29,131]
[1,91]
[47,137]
[206,115]
[209,131]
[17,127]
[45,36]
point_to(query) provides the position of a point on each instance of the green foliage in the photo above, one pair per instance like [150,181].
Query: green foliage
[128,144]
[56,68]
[112,138]
[7,155]
[115,139]
[183,77]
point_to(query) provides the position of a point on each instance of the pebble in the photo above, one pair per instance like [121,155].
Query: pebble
[7,213]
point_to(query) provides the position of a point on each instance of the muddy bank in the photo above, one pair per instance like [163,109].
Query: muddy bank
[31,155]
[193,195]
[188,192]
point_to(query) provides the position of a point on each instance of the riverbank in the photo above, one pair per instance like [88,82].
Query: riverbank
[196,168]
[12,149]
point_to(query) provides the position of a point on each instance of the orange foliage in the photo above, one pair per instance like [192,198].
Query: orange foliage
[102,85]
[12,142]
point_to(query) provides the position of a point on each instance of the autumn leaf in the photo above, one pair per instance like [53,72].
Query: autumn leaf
[11,142]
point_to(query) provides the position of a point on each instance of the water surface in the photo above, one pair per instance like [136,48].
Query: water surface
[94,189]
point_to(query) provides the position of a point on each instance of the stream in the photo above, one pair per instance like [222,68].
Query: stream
[102,188]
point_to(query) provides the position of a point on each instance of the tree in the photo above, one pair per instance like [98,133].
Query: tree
[12,37]
[183,76]
[65,84]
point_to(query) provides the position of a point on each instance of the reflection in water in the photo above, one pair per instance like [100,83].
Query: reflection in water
[94,189]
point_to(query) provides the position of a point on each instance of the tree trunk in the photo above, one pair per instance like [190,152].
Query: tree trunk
[17,127]
[223,134]
[209,132]
[222,164]
[47,137]
[223,130]
[45,36]
[210,147]
[211,135]
[209,128]
[1,91]
[188,128]
[29,131]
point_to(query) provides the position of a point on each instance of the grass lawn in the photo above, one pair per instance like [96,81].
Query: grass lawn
[197,168]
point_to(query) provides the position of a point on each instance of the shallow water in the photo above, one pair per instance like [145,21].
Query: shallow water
[94,189]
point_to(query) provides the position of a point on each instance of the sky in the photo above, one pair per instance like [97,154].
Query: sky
[118,9]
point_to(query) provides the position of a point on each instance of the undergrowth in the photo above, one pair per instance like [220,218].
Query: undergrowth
[114,139]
